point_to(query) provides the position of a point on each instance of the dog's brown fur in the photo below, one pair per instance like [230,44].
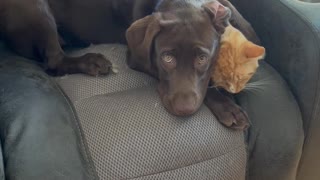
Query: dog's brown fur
[186,30]
[183,82]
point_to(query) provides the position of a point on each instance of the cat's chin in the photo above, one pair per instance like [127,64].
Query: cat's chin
[232,91]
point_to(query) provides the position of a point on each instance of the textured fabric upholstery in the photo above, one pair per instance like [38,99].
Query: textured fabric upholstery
[130,134]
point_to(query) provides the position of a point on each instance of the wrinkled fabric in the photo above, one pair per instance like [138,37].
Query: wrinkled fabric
[290,31]
[39,133]
[1,164]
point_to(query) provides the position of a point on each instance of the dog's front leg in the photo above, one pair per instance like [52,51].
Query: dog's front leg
[33,33]
[90,63]
[228,112]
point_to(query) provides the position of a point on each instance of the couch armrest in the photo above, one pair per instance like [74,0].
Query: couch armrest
[289,29]
[40,137]
[1,164]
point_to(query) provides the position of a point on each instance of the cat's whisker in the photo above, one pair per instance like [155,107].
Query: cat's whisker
[253,89]
[259,83]
[254,84]
[265,80]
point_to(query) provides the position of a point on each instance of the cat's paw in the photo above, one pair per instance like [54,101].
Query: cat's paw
[232,116]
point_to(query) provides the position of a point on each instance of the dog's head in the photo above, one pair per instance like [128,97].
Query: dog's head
[179,48]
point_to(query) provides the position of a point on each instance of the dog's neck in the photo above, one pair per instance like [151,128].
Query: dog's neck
[143,8]
[168,5]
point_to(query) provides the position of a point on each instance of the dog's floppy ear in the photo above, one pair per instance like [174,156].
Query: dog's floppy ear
[140,36]
[239,22]
[220,15]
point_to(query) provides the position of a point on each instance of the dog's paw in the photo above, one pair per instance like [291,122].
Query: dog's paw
[95,64]
[232,116]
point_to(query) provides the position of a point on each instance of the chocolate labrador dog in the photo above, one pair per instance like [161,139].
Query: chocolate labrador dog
[178,44]
[175,41]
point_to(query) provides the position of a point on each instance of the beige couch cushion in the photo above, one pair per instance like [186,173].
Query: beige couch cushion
[131,136]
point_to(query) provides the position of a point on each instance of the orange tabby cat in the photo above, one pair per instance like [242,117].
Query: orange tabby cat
[237,61]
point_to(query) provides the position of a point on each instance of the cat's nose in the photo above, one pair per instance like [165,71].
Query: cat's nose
[232,89]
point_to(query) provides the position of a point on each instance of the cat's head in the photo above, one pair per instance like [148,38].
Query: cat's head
[237,61]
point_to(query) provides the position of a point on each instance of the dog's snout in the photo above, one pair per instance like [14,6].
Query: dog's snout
[184,104]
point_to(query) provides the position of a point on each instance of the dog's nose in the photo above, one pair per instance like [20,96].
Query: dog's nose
[184,110]
[184,105]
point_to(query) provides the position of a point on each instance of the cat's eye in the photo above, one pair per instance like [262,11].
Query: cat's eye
[202,59]
[167,57]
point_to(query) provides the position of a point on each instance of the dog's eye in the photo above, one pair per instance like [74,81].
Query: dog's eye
[202,59]
[167,57]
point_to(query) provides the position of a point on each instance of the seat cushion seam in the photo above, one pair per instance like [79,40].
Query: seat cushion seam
[199,162]
[81,138]
[109,94]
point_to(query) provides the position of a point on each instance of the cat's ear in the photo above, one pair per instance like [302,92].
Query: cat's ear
[253,51]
